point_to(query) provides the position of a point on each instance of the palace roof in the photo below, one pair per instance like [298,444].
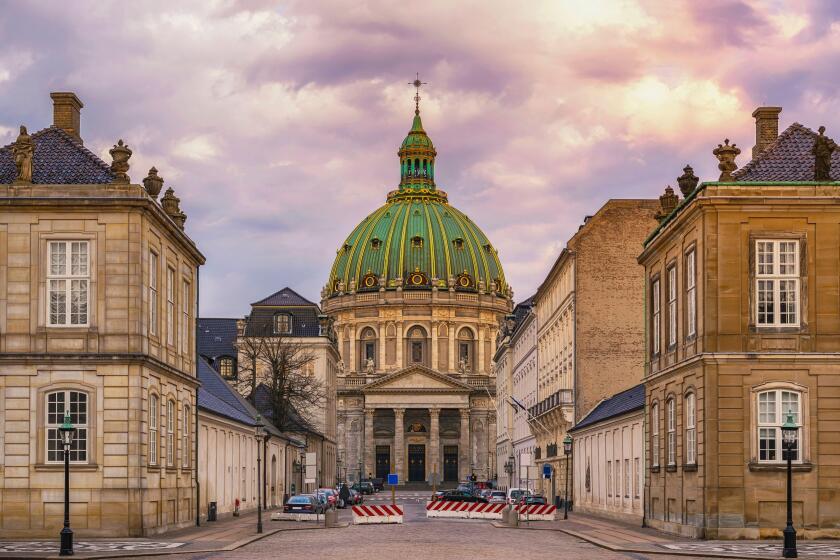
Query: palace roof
[788,159]
[621,403]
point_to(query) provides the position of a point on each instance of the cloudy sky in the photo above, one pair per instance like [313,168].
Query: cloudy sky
[278,122]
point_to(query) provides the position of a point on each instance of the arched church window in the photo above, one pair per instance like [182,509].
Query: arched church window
[368,349]
[417,345]
[466,350]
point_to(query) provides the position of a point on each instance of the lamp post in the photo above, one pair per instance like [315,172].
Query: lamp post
[258,429]
[67,432]
[509,470]
[790,431]
[567,451]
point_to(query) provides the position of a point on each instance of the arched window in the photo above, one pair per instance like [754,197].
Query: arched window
[654,435]
[186,449]
[466,350]
[282,323]
[153,430]
[690,429]
[170,433]
[226,367]
[417,345]
[367,349]
[773,408]
[671,412]
[76,404]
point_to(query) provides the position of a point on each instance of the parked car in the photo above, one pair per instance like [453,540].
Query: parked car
[458,496]
[365,487]
[497,497]
[467,488]
[356,498]
[535,500]
[303,503]
[331,495]
[485,493]
[514,494]
[378,484]
[438,495]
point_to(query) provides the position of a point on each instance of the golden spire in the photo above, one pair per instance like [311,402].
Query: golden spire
[417,83]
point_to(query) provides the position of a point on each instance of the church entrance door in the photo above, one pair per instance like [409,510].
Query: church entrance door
[450,463]
[383,461]
[416,463]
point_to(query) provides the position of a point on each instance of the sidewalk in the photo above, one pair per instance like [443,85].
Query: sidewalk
[228,534]
[622,537]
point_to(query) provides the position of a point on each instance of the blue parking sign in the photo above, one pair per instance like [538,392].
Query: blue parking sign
[393,479]
[546,471]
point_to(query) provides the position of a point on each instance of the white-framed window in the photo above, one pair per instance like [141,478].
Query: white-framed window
[170,433]
[671,412]
[636,478]
[690,429]
[226,368]
[68,283]
[654,435]
[777,283]
[773,408]
[691,293]
[57,404]
[185,316]
[282,323]
[170,306]
[672,306]
[153,429]
[656,327]
[185,437]
[627,478]
[153,293]
[609,479]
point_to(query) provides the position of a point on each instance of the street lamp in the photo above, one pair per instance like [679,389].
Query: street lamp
[509,470]
[567,451]
[259,428]
[67,432]
[790,431]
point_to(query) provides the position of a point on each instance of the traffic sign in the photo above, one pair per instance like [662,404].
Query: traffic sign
[393,479]
[546,470]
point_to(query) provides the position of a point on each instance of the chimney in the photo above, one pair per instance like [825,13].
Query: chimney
[766,128]
[66,113]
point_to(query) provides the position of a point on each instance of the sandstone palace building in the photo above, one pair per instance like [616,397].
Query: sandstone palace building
[417,292]
[743,277]
[98,285]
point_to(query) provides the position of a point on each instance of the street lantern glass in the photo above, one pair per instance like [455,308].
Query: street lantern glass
[567,445]
[259,426]
[789,431]
[67,430]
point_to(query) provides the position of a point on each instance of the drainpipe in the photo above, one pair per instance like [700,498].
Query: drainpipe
[197,357]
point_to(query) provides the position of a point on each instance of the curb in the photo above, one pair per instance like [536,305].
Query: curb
[637,550]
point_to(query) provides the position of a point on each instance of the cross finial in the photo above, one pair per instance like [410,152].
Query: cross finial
[417,83]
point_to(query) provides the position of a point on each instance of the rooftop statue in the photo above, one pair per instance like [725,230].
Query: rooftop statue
[822,150]
[23,150]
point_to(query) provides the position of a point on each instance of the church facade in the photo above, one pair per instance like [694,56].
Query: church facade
[416,293]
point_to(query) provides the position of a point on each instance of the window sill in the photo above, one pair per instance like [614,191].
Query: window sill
[153,468]
[690,468]
[780,467]
[777,329]
[71,329]
[59,467]
[671,468]
[172,469]
[654,469]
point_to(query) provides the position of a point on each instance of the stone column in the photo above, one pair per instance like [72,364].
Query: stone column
[434,442]
[464,445]
[381,342]
[433,337]
[451,347]
[479,366]
[353,361]
[399,444]
[369,447]
[400,344]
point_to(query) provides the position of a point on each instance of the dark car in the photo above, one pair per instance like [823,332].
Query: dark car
[458,496]
[303,503]
[378,484]
[438,495]
[365,487]
[533,500]
[355,498]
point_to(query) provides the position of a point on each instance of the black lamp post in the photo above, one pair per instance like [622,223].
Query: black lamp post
[790,431]
[67,431]
[567,451]
[509,470]
[258,428]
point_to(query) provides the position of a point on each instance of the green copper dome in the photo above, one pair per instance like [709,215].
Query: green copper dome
[417,240]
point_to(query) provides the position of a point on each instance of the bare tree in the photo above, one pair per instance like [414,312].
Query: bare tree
[250,349]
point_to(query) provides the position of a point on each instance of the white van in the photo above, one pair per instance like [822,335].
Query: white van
[515,494]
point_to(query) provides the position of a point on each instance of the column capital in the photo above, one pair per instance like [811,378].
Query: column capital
[369,411]
[465,412]
[400,411]
[434,411]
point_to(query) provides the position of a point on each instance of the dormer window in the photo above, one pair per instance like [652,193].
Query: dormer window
[375,243]
[417,242]
[282,323]
[226,367]
[488,248]
[346,247]
[458,242]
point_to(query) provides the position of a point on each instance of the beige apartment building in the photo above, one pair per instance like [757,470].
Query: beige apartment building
[590,341]
[743,324]
[98,285]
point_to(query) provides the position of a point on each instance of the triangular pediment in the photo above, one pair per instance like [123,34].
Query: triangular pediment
[418,379]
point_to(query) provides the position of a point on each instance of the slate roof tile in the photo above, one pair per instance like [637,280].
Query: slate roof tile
[620,403]
[58,160]
[284,297]
[789,158]
[216,337]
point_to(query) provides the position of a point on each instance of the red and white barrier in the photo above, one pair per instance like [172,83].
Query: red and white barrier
[377,514]
[537,512]
[464,510]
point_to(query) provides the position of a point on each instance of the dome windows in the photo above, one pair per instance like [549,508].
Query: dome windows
[375,243]
[488,248]
[458,243]
[369,281]
[417,278]
[416,242]
[464,281]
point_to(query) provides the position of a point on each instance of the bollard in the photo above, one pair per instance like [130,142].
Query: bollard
[331,518]
[505,516]
[513,518]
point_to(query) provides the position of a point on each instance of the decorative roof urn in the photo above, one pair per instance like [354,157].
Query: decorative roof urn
[153,183]
[170,204]
[120,155]
[726,154]
[667,202]
[687,181]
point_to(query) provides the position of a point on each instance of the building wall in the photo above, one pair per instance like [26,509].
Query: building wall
[730,492]
[504,412]
[114,360]
[524,389]
[609,468]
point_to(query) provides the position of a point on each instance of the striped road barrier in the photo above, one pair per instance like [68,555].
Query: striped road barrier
[464,510]
[537,512]
[280,516]
[384,513]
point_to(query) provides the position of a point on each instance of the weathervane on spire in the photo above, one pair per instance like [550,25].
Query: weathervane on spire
[417,83]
